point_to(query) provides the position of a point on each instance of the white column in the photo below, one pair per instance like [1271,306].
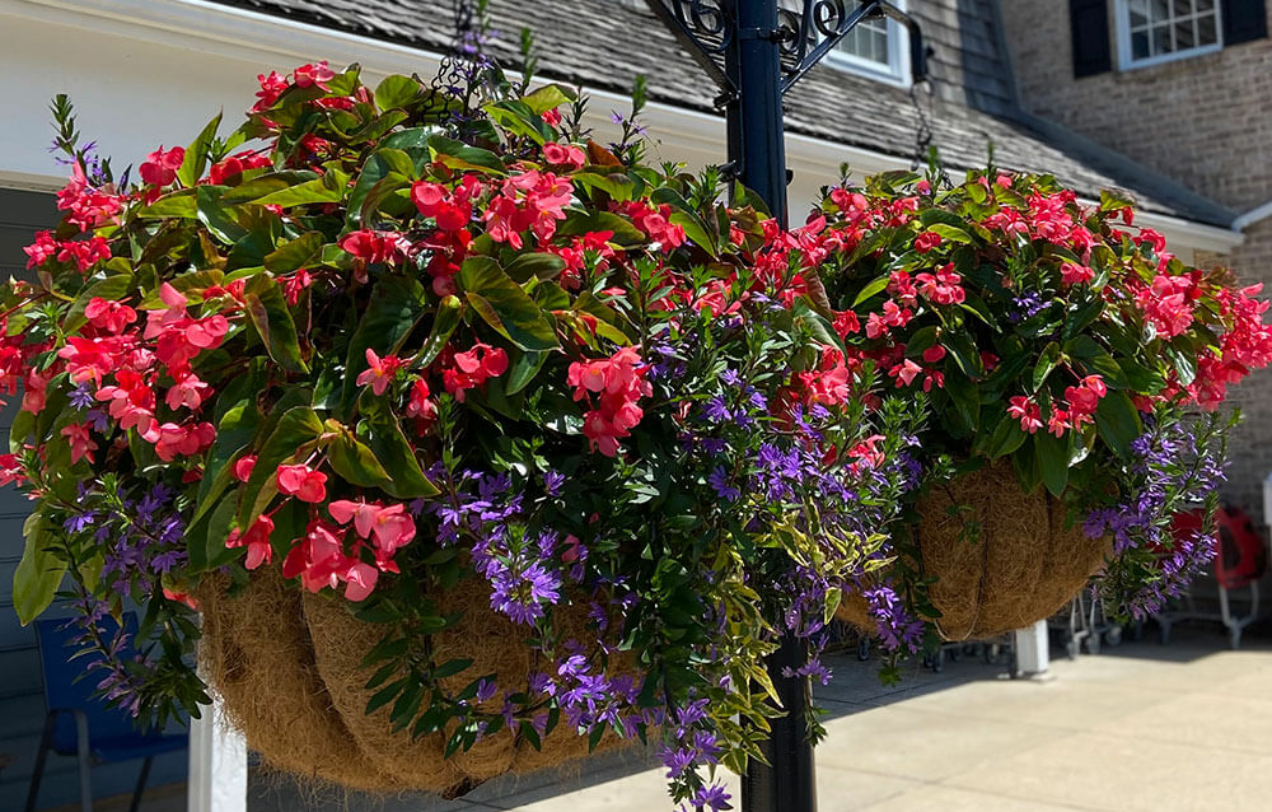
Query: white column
[218,764]
[1032,653]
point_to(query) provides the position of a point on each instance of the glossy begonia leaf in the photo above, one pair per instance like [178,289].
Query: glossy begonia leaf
[458,155]
[179,204]
[525,366]
[268,184]
[295,254]
[1053,454]
[445,320]
[273,321]
[382,163]
[534,266]
[39,572]
[518,118]
[196,155]
[384,436]
[296,433]
[548,98]
[1118,423]
[355,462]
[397,91]
[505,306]
[397,304]
[330,188]
[235,431]
[217,216]
[626,235]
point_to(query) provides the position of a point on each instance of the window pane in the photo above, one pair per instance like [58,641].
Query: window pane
[1161,40]
[1183,8]
[1139,45]
[1160,10]
[1206,32]
[1184,38]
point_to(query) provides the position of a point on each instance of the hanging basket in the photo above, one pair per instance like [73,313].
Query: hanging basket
[288,666]
[1023,564]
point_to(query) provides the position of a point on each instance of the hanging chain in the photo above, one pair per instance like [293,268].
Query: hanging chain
[923,131]
[467,67]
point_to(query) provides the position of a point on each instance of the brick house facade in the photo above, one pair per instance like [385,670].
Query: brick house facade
[1204,120]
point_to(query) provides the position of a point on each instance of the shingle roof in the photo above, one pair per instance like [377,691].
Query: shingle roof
[605,43]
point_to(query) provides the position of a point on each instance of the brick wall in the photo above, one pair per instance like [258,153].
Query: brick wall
[1205,121]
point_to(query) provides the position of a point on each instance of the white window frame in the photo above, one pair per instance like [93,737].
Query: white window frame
[896,72]
[1125,58]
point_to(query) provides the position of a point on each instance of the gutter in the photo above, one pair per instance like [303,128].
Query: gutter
[1256,215]
[252,36]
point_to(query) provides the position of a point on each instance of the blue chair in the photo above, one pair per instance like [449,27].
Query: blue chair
[79,724]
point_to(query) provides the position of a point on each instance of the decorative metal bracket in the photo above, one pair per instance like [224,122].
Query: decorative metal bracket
[707,29]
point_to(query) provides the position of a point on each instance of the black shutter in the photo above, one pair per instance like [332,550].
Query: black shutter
[1244,21]
[1089,25]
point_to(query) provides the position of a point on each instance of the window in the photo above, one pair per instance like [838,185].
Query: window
[1153,31]
[876,47]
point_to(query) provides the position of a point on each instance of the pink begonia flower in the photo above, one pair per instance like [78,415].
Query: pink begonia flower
[391,526]
[110,316]
[160,168]
[380,371]
[360,579]
[243,467]
[256,539]
[1027,412]
[82,445]
[303,482]
[1071,273]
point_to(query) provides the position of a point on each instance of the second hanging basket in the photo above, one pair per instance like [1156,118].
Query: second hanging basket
[1002,559]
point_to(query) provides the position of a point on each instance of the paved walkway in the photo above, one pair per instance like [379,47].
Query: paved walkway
[1181,728]
[1185,727]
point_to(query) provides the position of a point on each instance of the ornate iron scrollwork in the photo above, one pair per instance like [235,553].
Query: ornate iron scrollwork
[806,29]
[706,29]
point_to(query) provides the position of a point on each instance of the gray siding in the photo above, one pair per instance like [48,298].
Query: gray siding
[22,704]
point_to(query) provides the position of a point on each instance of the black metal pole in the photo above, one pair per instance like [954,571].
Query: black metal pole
[755,129]
[756,147]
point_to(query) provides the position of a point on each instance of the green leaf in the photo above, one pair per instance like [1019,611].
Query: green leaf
[505,306]
[382,163]
[273,320]
[1007,437]
[196,155]
[216,216]
[268,184]
[397,304]
[297,430]
[875,286]
[535,266]
[966,398]
[964,352]
[179,204]
[458,155]
[1046,363]
[1053,460]
[951,233]
[547,98]
[355,462]
[39,573]
[384,436]
[237,428]
[524,368]
[295,254]
[519,119]
[330,188]
[445,320]
[626,235]
[1118,423]
[397,91]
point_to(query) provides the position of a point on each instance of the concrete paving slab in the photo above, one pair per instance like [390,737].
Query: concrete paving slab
[930,798]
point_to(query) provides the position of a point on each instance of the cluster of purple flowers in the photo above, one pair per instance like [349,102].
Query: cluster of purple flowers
[141,538]
[1178,465]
